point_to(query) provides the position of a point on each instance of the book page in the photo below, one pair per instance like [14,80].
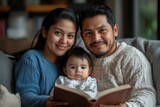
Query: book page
[111,90]
[114,95]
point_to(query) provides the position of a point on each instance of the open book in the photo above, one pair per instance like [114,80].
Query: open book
[78,98]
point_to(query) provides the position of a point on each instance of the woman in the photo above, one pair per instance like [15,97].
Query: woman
[37,71]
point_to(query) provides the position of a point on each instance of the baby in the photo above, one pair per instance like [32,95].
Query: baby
[77,67]
[8,99]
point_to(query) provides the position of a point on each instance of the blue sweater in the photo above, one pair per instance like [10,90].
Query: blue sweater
[35,77]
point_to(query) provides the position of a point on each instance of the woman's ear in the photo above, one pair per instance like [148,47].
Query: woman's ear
[44,32]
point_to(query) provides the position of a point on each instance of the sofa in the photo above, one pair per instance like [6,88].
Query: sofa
[151,48]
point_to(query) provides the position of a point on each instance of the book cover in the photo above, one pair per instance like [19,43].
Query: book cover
[78,98]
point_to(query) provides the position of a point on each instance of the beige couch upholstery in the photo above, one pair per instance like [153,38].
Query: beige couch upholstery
[151,48]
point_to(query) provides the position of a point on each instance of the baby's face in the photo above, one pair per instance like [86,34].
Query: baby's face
[77,68]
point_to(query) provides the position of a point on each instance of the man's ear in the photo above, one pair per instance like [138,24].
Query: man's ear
[44,32]
[115,30]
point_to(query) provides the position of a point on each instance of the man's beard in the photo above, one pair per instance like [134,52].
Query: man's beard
[102,54]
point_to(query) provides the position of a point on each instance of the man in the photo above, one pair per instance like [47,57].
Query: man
[115,63]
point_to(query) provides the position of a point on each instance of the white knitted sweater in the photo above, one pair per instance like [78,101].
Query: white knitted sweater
[126,65]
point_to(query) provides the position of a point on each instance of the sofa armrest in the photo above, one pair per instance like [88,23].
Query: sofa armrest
[6,72]
[151,48]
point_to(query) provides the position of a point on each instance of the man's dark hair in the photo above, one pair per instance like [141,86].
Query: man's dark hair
[93,9]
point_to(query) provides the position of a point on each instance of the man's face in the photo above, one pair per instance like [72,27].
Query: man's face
[98,35]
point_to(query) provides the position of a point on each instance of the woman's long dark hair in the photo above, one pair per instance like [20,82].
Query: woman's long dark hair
[50,19]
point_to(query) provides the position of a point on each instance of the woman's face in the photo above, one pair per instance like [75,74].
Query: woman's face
[60,37]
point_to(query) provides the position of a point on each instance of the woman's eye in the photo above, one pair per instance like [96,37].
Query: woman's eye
[71,36]
[57,33]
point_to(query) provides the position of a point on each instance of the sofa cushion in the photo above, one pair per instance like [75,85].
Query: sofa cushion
[8,99]
[151,48]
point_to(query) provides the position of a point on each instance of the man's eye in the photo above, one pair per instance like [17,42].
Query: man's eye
[88,33]
[102,30]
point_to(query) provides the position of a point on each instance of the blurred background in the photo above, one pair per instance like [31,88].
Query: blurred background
[21,19]
[136,18]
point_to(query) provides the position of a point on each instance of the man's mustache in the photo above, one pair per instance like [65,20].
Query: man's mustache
[93,44]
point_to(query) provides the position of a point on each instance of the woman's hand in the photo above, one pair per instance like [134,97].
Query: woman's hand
[51,103]
[120,105]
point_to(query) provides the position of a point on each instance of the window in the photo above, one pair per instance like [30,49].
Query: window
[148,19]
[136,18]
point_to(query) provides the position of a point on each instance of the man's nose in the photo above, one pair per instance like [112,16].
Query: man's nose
[96,36]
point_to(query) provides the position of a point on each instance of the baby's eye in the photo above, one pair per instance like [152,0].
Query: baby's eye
[83,67]
[72,67]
